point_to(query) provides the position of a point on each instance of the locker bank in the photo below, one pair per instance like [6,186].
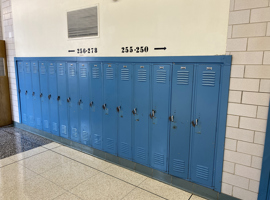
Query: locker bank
[136,100]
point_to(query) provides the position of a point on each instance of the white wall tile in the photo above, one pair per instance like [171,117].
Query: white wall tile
[237,157]
[250,148]
[256,162]
[254,186]
[249,30]
[256,98]
[244,194]
[228,167]
[242,110]
[239,44]
[235,180]
[247,172]
[232,120]
[235,96]
[259,15]
[226,189]
[247,4]
[253,124]
[262,112]
[239,17]
[259,137]
[230,144]
[240,134]
[247,58]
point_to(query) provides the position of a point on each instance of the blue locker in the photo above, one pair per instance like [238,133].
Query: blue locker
[204,124]
[110,109]
[159,134]
[53,98]
[22,92]
[73,100]
[125,99]
[84,87]
[44,93]
[35,94]
[181,109]
[96,102]
[62,99]
[29,97]
[142,108]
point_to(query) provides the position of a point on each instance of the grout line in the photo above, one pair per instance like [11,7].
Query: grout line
[190,196]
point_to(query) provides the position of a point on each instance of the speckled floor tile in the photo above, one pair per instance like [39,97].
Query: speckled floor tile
[44,161]
[51,145]
[164,190]
[125,174]
[6,161]
[70,174]
[194,197]
[102,186]
[67,196]
[28,153]
[139,194]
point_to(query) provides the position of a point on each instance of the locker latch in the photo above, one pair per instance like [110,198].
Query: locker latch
[134,111]
[195,123]
[26,92]
[104,106]
[58,98]
[171,118]
[118,108]
[152,114]
[68,99]
[49,96]
[33,94]
[91,103]
[41,95]
[80,101]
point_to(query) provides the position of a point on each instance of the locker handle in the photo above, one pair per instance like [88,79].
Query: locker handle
[152,114]
[134,111]
[68,99]
[118,108]
[171,118]
[33,94]
[91,103]
[195,123]
[104,106]
[49,96]
[80,101]
[26,92]
[58,98]
[41,95]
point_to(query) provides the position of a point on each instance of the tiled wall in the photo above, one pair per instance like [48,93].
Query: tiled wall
[8,36]
[249,44]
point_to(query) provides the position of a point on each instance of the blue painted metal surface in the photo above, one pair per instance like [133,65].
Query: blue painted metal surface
[142,108]
[264,190]
[182,87]
[62,87]
[159,134]
[109,108]
[35,94]
[22,92]
[44,92]
[52,97]
[206,95]
[84,100]
[73,99]
[29,98]
[96,102]
[125,106]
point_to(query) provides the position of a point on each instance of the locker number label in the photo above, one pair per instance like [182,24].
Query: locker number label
[86,50]
[131,49]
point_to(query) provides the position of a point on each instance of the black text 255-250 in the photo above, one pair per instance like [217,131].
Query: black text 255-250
[131,49]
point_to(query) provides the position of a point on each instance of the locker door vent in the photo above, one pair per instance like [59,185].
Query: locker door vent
[141,75]
[74,132]
[182,77]
[178,166]
[83,72]
[84,135]
[202,172]
[46,123]
[24,117]
[125,74]
[109,73]
[28,70]
[95,72]
[110,143]
[54,126]
[141,153]
[51,69]
[43,69]
[97,139]
[31,119]
[209,79]
[61,70]
[159,159]
[124,148]
[20,67]
[64,129]
[71,70]
[35,69]
[161,76]
[38,121]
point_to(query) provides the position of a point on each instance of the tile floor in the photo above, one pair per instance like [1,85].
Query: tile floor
[52,171]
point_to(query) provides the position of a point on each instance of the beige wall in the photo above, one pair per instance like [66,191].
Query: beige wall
[249,44]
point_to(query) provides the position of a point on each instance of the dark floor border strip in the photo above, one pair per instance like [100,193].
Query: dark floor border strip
[155,174]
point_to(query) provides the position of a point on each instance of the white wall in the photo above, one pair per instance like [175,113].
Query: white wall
[185,27]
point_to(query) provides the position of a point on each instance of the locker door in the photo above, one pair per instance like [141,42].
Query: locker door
[62,99]
[109,109]
[35,94]
[204,122]
[53,98]
[160,113]
[125,99]
[96,100]
[22,92]
[44,92]
[84,101]
[29,98]
[141,113]
[182,89]
[73,102]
